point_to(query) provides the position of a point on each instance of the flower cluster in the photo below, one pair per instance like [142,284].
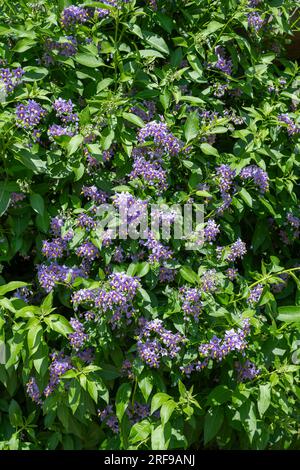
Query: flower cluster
[226,177]
[259,176]
[108,417]
[50,275]
[233,340]
[29,115]
[255,294]
[237,250]
[73,15]
[33,391]
[211,230]
[162,137]
[255,21]
[191,302]
[60,365]
[223,64]
[247,371]
[79,337]
[158,252]
[290,125]
[155,342]
[9,79]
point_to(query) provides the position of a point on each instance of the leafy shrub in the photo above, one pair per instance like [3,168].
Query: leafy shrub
[108,342]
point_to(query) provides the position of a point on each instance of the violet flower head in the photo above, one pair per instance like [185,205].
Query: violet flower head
[237,250]
[33,391]
[255,21]
[259,176]
[247,371]
[29,115]
[255,294]
[79,337]
[211,230]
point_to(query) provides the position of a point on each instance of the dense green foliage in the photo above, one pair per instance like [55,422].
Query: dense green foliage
[216,75]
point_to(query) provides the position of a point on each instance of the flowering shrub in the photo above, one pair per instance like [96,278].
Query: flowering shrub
[109,341]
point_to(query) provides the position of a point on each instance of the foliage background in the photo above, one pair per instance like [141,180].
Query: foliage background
[140,62]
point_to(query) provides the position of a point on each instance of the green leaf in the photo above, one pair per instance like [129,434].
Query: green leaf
[142,269]
[219,395]
[15,414]
[134,119]
[145,383]
[158,400]
[246,197]
[156,42]
[212,423]
[264,398]
[74,144]
[35,334]
[122,400]
[160,437]
[93,390]
[37,203]
[150,53]
[59,323]
[24,44]
[104,84]
[139,431]
[89,60]
[13,285]
[191,127]
[189,275]
[166,410]
[4,201]
[289,313]
[209,149]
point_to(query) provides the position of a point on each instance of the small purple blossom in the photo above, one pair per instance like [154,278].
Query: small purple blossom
[237,250]
[259,176]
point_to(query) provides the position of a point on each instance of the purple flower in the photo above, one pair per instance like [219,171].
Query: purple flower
[146,112]
[73,15]
[56,225]
[79,337]
[151,173]
[33,391]
[109,418]
[59,366]
[50,275]
[124,283]
[223,64]
[53,249]
[85,221]
[292,128]
[211,230]
[158,252]
[166,274]
[237,250]
[87,250]
[162,137]
[255,294]
[255,21]
[29,115]
[232,273]
[191,302]
[259,176]
[56,130]
[62,106]
[209,281]
[155,342]
[234,340]
[95,194]
[9,79]
[246,371]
